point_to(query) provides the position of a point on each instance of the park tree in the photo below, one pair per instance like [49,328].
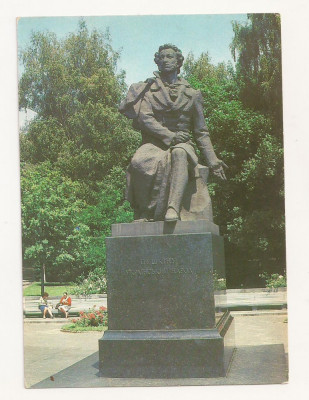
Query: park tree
[249,206]
[110,209]
[60,230]
[74,87]
[72,151]
[52,234]
[256,48]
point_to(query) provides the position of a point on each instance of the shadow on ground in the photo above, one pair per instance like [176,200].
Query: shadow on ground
[251,365]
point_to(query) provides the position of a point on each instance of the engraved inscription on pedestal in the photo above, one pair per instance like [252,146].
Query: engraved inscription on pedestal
[158,267]
[161,282]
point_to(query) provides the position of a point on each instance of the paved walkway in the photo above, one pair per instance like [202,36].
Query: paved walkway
[56,359]
[252,298]
[47,350]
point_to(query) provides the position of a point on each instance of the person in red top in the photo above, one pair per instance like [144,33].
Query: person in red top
[65,304]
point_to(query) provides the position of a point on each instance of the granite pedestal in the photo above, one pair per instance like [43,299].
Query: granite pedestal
[161,302]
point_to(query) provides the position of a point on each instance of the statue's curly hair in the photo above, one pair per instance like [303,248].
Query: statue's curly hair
[178,52]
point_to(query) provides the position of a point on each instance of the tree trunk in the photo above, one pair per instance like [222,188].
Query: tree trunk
[42,279]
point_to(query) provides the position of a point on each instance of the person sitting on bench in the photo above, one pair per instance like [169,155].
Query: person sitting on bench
[65,304]
[45,306]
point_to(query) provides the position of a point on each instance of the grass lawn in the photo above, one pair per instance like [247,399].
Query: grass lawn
[52,288]
[73,328]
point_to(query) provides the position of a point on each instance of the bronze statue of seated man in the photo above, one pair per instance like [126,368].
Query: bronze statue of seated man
[169,114]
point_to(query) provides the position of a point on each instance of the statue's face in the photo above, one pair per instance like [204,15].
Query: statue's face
[167,60]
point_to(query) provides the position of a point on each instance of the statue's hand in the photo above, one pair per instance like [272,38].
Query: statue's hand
[150,81]
[218,169]
[181,137]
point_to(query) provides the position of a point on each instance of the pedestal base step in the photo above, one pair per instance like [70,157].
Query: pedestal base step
[166,354]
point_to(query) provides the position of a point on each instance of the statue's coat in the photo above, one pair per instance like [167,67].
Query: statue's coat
[158,117]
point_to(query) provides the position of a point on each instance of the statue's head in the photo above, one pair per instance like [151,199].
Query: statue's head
[169,58]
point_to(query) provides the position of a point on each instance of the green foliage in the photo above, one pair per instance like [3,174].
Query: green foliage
[73,328]
[63,75]
[93,284]
[50,205]
[61,231]
[204,68]
[257,48]
[109,209]
[250,205]
[73,153]
[273,281]
[73,86]
[219,283]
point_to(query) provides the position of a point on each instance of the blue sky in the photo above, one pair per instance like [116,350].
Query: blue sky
[140,36]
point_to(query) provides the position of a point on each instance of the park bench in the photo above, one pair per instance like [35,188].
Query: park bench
[56,314]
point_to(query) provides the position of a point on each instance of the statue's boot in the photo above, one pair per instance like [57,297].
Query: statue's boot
[171,215]
[179,181]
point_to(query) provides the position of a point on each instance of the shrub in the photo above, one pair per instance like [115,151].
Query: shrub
[93,317]
[219,283]
[93,284]
[273,281]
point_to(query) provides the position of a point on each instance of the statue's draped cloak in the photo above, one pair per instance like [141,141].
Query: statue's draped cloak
[160,111]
